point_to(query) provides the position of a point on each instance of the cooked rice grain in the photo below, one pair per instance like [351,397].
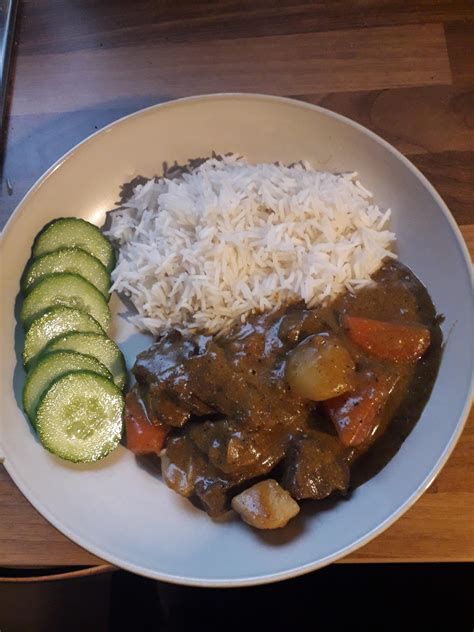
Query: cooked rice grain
[229,238]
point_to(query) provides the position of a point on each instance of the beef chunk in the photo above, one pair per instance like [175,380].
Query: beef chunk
[199,377]
[182,465]
[241,454]
[299,323]
[213,495]
[315,467]
[165,409]
[161,372]
[186,470]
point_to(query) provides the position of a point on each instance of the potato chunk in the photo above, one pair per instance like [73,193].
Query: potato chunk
[320,368]
[265,505]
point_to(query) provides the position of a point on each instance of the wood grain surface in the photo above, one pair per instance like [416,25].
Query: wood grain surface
[404,69]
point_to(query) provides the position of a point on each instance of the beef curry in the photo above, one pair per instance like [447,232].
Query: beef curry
[293,404]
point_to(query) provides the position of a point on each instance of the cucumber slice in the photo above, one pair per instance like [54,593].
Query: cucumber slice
[79,418]
[98,346]
[69,232]
[67,260]
[48,368]
[56,322]
[70,290]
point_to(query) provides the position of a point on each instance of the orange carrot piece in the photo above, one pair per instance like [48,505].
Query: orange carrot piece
[357,415]
[390,341]
[143,436]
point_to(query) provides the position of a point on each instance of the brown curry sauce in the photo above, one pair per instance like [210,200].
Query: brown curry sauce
[233,419]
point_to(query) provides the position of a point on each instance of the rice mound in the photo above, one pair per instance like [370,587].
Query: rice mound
[228,238]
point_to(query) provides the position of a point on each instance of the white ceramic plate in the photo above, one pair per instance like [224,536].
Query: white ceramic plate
[121,512]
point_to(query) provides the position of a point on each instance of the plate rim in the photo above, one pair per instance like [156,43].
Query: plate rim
[392,518]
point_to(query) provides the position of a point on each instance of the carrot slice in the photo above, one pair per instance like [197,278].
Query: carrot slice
[390,341]
[143,436]
[357,415]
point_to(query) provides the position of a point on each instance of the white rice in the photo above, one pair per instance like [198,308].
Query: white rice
[229,238]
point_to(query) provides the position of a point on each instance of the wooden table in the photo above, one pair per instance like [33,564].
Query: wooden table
[405,69]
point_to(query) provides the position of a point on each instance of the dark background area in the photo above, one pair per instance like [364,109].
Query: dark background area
[353,597]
